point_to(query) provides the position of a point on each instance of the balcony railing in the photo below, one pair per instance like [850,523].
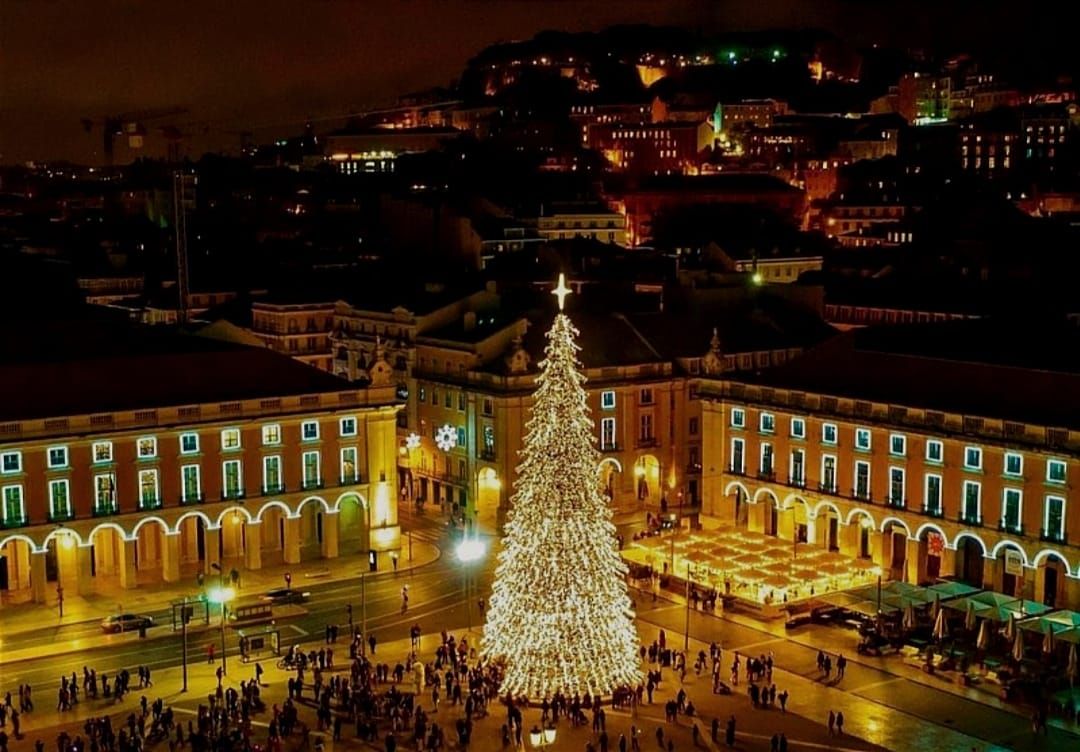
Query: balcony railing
[829,488]
[234,494]
[11,522]
[897,502]
[737,469]
[862,495]
[1004,527]
[612,446]
[104,510]
[797,482]
[273,488]
[312,483]
[766,474]
[974,520]
[193,499]
[61,516]
[933,511]
[1052,536]
[155,503]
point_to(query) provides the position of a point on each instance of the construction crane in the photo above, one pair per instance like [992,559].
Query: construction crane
[131,124]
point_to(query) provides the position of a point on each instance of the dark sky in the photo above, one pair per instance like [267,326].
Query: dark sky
[241,63]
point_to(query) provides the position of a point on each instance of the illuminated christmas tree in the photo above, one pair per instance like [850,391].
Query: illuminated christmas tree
[560,619]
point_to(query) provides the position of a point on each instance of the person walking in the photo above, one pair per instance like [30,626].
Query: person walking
[729,734]
[783,701]
[210,653]
[832,722]
[841,664]
[840,723]
[783,742]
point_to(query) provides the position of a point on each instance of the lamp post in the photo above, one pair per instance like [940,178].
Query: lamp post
[686,641]
[469,551]
[222,595]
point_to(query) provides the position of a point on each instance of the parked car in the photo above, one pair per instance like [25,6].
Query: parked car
[125,623]
[284,595]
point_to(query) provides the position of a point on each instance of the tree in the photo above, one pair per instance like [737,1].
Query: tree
[559,618]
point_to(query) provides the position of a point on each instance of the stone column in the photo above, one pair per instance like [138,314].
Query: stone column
[84,570]
[881,551]
[755,517]
[990,579]
[812,532]
[785,524]
[948,562]
[915,561]
[292,540]
[330,530]
[126,564]
[170,557]
[253,545]
[211,549]
[848,536]
[38,584]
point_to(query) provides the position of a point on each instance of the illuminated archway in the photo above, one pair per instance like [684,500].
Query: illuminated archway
[647,478]
[488,492]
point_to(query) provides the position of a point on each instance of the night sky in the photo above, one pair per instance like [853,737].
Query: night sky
[238,64]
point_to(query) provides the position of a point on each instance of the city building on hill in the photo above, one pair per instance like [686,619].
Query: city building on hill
[587,220]
[652,148]
[179,454]
[937,451]
[361,150]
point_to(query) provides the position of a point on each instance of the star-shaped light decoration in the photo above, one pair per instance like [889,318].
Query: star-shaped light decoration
[561,291]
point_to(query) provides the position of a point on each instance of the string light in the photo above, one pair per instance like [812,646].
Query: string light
[559,618]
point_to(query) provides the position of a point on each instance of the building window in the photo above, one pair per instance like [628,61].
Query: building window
[1014,464]
[971,511]
[693,427]
[271,434]
[738,456]
[862,439]
[190,485]
[862,480]
[897,444]
[348,426]
[798,465]
[828,433]
[489,408]
[934,451]
[10,462]
[59,499]
[272,480]
[105,493]
[309,430]
[230,439]
[607,433]
[646,432]
[448,399]
[58,456]
[311,470]
[101,451]
[189,443]
[1054,518]
[646,395]
[146,447]
[798,428]
[767,424]
[461,400]
[1055,471]
[738,417]
[348,465]
[13,505]
[972,458]
[148,489]
[896,487]
[421,393]
[766,463]
[232,488]
[1012,500]
[828,473]
[932,495]
[461,436]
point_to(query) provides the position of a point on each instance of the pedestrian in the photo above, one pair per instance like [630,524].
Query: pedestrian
[729,735]
[832,722]
[841,664]
[840,723]
[783,701]
[258,673]
[820,661]
[371,643]
[783,742]
[774,743]
[210,653]
[715,731]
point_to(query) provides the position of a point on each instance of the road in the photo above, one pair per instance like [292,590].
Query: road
[437,602]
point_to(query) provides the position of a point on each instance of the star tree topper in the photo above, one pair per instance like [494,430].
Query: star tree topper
[561,291]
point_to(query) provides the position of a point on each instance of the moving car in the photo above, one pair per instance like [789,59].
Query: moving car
[125,622]
[284,595]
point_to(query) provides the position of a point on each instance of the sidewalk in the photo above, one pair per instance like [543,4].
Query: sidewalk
[754,727]
[29,617]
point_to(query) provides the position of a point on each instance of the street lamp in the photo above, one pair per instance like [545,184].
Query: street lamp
[222,595]
[468,551]
[542,738]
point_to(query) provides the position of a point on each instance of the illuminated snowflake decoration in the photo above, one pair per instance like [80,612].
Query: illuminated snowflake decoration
[446,437]
[412,441]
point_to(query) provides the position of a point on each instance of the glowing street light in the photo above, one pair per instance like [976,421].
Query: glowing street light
[223,596]
[469,551]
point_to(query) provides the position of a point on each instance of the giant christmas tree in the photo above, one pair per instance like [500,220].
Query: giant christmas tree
[559,618]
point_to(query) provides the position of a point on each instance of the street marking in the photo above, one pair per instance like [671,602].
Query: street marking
[875,685]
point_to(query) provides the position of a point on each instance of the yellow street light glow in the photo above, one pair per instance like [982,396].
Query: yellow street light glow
[221,594]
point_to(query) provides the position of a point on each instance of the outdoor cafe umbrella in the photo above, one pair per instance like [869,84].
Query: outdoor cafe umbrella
[983,641]
[941,629]
[1071,670]
[969,618]
[1048,640]
[1018,646]
[1010,627]
[909,617]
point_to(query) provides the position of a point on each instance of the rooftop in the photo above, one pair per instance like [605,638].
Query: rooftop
[64,368]
[1018,371]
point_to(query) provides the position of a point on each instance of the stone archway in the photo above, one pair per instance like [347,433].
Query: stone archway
[1051,568]
[353,524]
[488,493]
[15,553]
[610,475]
[894,538]
[970,557]
[314,519]
[828,526]
[149,549]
